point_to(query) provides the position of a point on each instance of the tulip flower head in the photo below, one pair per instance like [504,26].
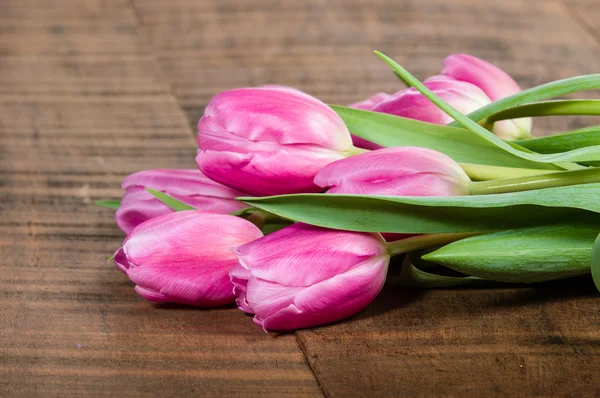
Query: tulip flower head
[371,102]
[303,276]
[398,171]
[495,83]
[467,83]
[269,140]
[185,257]
[410,103]
[188,186]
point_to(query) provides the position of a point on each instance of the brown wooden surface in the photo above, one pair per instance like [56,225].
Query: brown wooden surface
[93,90]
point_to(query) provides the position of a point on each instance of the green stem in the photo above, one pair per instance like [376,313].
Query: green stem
[550,180]
[423,241]
[481,172]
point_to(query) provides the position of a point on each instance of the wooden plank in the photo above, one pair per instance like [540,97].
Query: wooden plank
[538,341]
[586,13]
[325,48]
[81,105]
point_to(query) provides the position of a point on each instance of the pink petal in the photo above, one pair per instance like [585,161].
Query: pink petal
[411,104]
[186,256]
[371,102]
[301,254]
[401,171]
[184,182]
[239,278]
[492,80]
[365,144]
[333,299]
[137,206]
[266,298]
[290,170]
[282,116]
[152,295]
[188,186]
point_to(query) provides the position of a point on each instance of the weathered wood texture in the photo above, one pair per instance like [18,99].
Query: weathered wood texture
[93,90]
[325,47]
[81,106]
[535,341]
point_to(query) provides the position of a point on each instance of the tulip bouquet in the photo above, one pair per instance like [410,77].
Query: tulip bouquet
[297,208]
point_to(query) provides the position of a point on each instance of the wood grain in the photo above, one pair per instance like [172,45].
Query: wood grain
[325,47]
[538,341]
[81,105]
[91,91]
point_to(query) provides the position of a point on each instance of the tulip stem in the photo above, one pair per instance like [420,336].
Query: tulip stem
[423,241]
[528,183]
[482,172]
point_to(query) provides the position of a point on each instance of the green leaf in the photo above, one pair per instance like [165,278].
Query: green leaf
[412,276]
[246,211]
[170,201]
[596,263]
[589,136]
[539,93]
[579,155]
[459,144]
[549,108]
[111,204]
[423,214]
[525,255]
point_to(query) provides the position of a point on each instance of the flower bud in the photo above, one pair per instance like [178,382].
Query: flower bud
[410,103]
[398,171]
[496,83]
[303,276]
[269,140]
[188,186]
[371,102]
[185,257]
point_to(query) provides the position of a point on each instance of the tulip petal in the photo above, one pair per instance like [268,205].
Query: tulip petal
[188,186]
[239,278]
[333,299]
[184,182]
[137,206]
[289,170]
[370,102]
[152,295]
[401,171]
[492,80]
[410,103]
[186,256]
[281,116]
[419,184]
[266,297]
[301,255]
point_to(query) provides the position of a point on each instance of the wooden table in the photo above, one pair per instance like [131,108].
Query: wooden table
[91,91]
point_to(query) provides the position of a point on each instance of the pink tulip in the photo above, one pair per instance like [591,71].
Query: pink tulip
[496,83]
[188,186]
[411,104]
[185,257]
[398,171]
[304,276]
[368,105]
[371,102]
[269,140]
